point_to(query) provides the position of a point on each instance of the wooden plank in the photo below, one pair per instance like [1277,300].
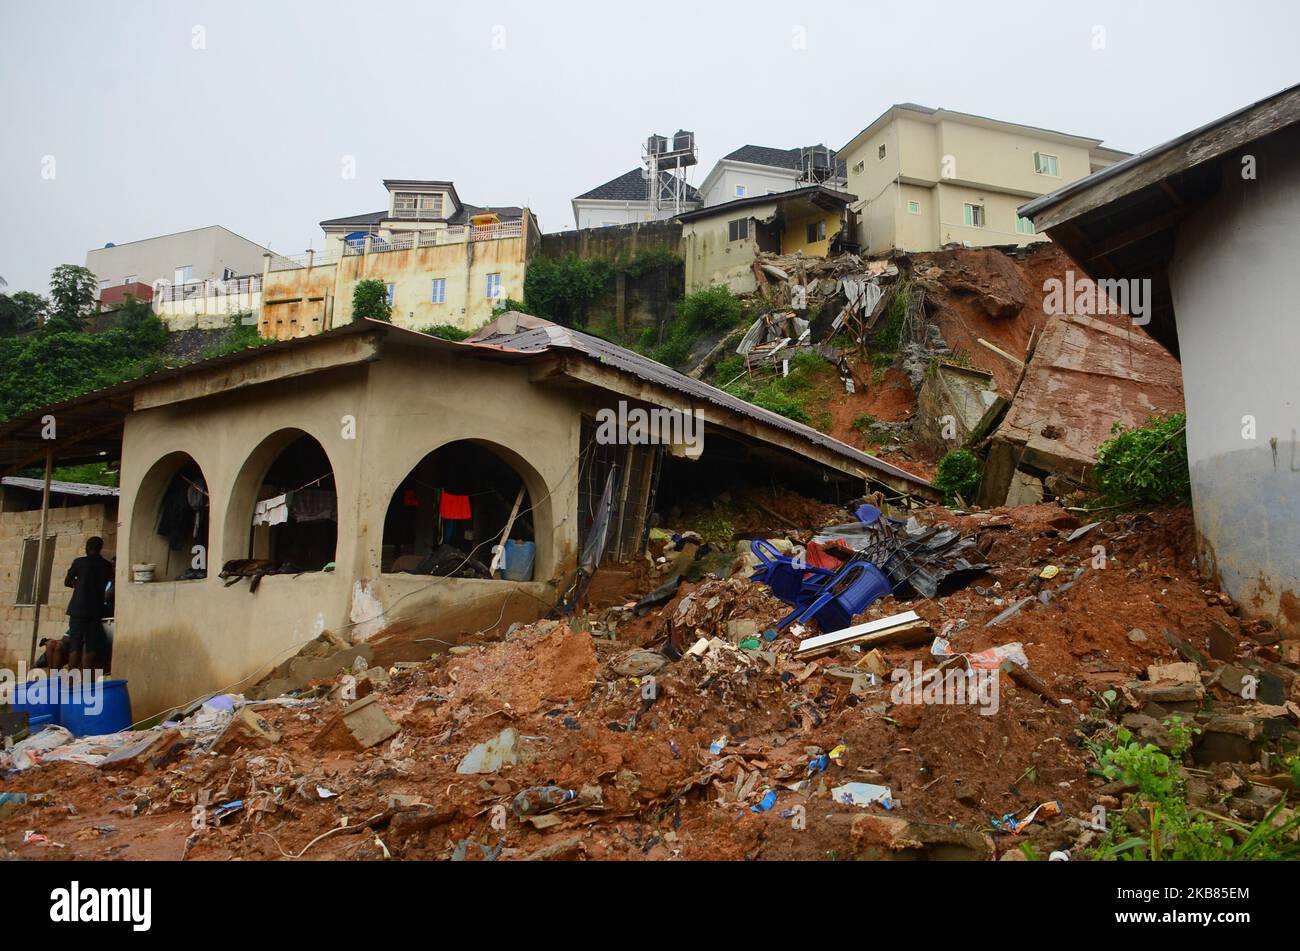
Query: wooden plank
[895,629]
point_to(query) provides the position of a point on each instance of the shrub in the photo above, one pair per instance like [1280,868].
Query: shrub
[447,332]
[713,308]
[238,336]
[1145,464]
[958,476]
[773,398]
[562,289]
[370,299]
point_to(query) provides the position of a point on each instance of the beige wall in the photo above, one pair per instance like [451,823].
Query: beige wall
[178,639]
[712,259]
[304,301]
[944,163]
[207,250]
[69,527]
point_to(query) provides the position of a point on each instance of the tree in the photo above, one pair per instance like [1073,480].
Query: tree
[370,299]
[72,290]
[22,312]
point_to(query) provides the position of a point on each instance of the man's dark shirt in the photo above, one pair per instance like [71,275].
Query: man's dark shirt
[89,576]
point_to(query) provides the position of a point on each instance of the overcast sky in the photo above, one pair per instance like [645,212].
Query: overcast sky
[130,119]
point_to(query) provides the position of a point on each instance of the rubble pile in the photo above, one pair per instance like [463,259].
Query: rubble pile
[692,732]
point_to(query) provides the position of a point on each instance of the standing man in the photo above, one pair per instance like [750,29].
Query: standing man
[89,576]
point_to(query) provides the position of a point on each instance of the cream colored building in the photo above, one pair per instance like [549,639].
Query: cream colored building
[443,261]
[928,177]
[371,425]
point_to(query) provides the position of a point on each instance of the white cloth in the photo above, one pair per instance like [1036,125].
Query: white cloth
[273,511]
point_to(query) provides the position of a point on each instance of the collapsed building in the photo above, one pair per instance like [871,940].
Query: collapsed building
[362,477]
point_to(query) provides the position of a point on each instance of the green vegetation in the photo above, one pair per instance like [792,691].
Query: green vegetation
[56,365]
[958,476]
[72,293]
[1158,824]
[370,299]
[237,336]
[1145,465]
[563,289]
[706,311]
[94,473]
[801,396]
[447,332]
[22,313]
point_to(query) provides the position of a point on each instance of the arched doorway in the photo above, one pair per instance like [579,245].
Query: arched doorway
[170,520]
[454,508]
[284,508]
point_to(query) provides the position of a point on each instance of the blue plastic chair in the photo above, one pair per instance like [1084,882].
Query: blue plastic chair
[841,598]
[791,583]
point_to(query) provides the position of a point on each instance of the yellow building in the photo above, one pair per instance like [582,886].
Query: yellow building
[444,262]
[927,177]
[719,243]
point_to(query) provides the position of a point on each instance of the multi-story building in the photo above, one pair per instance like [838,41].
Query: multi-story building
[185,258]
[753,171]
[443,261]
[927,177]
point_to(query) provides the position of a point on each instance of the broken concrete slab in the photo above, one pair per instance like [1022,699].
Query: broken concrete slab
[1112,371]
[245,730]
[359,726]
[1223,646]
[139,757]
[886,838]
[1183,672]
[490,755]
[299,671]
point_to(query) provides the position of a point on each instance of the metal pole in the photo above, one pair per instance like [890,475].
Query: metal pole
[40,554]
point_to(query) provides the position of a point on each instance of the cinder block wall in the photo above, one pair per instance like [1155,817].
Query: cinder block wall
[69,528]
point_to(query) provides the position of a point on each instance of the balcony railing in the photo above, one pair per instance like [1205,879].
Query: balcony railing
[194,290]
[454,234]
[290,262]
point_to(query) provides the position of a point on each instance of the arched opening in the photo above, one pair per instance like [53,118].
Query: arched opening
[289,515]
[170,521]
[452,510]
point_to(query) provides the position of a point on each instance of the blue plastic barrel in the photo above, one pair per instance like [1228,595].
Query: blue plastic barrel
[42,712]
[114,713]
[518,562]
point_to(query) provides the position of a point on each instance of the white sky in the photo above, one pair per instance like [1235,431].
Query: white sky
[150,135]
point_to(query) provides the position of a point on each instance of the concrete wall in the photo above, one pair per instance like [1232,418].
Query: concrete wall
[596,213]
[304,301]
[713,259]
[179,639]
[999,216]
[69,527]
[207,250]
[1238,337]
[623,242]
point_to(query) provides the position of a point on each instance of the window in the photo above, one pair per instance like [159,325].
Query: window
[816,231]
[104,285]
[738,230]
[131,279]
[392,294]
[494,286]
[880,152]
[416,205]
[1024,225]
[27,571]
[227,273]
[439,290]
[740,191]
[913,207]
[974,215]
[184,274]
[1045,164]
[857,169]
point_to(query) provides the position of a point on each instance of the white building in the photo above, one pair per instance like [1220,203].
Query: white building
[753,171]
[624,200]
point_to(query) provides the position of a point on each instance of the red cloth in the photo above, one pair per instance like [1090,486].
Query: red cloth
[819,557]
[454,507]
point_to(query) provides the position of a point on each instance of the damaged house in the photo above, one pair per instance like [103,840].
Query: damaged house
[720,243]
[374,478]
[1204,227]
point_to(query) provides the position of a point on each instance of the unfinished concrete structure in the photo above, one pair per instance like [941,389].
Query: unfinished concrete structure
[32,596]
[355,429]
[1209,220]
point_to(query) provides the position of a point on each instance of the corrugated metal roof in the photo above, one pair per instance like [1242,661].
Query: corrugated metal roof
[61,488]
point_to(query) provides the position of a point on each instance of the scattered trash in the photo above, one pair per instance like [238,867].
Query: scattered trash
[1009,822]
[863,794]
